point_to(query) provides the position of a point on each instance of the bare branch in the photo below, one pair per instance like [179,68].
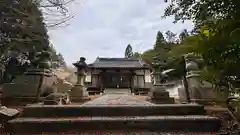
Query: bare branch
[55,12]
[59,23]
[53,4]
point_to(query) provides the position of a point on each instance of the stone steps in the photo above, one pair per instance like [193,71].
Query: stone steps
[125,132]
[117,91]
[114,113]
[190,123]
[111,110]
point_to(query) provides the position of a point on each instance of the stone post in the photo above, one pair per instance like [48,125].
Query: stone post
[79,91]
[158,93]
[193,78]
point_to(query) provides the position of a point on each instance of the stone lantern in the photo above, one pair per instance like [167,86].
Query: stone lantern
[192,66]
[81,70]
[158,93]
[79,89]
[200,91]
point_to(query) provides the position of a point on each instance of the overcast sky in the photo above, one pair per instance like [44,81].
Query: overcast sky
[104,28]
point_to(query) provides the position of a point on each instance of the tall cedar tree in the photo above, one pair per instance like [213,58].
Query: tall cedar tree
[22,28]
[128,51]
[159,41]
[161,50]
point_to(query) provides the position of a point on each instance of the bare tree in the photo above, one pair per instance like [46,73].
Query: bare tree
[55,12]
[19,17]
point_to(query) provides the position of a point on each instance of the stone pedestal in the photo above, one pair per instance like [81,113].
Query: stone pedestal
[78,92]
[25,88]
[202,92]
[158,93]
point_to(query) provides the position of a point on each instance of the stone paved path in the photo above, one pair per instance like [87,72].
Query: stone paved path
[117,99]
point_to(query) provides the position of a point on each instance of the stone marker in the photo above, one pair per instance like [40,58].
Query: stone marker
[158,93]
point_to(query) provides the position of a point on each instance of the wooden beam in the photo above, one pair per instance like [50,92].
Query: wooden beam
[144,78]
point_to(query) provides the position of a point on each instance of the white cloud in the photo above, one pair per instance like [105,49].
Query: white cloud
[105,27]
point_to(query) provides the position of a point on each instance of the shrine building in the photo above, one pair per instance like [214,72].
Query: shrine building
[119,73]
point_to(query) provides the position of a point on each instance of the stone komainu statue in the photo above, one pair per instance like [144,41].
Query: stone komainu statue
[42,60]
[52,97]
[48,90]
[16,64]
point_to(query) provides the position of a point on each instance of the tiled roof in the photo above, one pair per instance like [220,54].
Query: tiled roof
[118,63]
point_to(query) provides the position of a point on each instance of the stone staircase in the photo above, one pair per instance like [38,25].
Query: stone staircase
[117,91]
[105,114]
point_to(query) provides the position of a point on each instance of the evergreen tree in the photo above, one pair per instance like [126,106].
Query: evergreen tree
[61,61]
[148,56]
[57,58]
[183,35]
[171,37]
[128,51]
[159,41]
[161,49]
[22,28]
[137,55]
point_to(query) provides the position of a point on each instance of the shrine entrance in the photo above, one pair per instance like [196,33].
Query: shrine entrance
[116,80]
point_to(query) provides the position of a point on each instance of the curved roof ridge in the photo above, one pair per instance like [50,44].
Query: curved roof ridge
[102,62]
[114,58]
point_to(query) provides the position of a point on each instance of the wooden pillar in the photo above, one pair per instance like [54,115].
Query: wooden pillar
[91,76]
[102,74]
[132,80]
[144,74]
